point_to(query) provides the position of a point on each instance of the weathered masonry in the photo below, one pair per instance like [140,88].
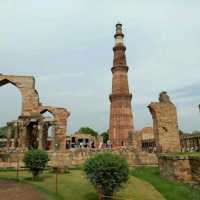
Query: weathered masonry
[165,124]
[121,117]
[31,127]
[185,168]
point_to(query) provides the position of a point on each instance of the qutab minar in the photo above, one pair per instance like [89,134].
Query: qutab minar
[121,117]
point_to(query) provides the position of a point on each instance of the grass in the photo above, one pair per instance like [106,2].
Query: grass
[171,190]
[188,153]
[139,190]
[75,186]
[144,183]
[185,154]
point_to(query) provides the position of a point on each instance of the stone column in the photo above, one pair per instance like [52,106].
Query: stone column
[12,143]
[40,136]
[59,139]
[22,136]
[16,137]
[9,132]
[53,141]
[188,144]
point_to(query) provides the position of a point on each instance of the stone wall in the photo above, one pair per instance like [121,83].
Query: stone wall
[179,167]
[195,167]
[76,157]
[165,125]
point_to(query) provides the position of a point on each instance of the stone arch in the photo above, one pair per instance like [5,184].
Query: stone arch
[6,81]
[26,86]
[48,135]
[11,99]
[31,121]
[47,114]
[60,125]
[44,110]
[60,114]
[32,135]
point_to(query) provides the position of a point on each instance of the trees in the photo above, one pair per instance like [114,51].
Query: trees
[105,137]
[88,130]
[195,132]
[36,161]
[107,172]
[3,131]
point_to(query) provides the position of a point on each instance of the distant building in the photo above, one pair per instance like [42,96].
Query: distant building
[190,142]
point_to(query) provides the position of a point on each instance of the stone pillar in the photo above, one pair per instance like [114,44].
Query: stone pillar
[165,124]
[54,141]
[137,145]
[9,133]
[185,144]
[198,138]
[59,139]
[12,143]
[22,136]
[45,135]
[40,136]
[16,137]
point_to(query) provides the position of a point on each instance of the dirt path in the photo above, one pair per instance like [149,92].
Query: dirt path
[11,190]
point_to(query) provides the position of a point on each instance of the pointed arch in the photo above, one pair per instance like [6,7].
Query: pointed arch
[11,101]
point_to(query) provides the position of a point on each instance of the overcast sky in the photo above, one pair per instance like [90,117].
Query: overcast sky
[67,46]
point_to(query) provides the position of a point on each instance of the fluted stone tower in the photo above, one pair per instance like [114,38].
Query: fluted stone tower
[121,118]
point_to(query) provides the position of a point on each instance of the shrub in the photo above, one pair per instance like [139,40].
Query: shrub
[107,172]
[36,161]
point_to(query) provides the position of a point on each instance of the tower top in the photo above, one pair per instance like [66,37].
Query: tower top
[118,34]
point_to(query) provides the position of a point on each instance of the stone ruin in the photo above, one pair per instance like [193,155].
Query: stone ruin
[184,168]
[31,128]
[172,165]
[165,124]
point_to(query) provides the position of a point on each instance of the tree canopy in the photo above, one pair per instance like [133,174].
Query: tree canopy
[3,131]
[105,137]
[88,130]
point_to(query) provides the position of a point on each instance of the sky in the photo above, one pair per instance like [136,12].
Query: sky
[67,46]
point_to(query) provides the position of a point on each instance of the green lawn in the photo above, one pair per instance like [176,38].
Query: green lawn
[185,154]
[144,184]
[75,186]
[171,190]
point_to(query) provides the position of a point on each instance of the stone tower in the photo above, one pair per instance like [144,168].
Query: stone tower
[121,118]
